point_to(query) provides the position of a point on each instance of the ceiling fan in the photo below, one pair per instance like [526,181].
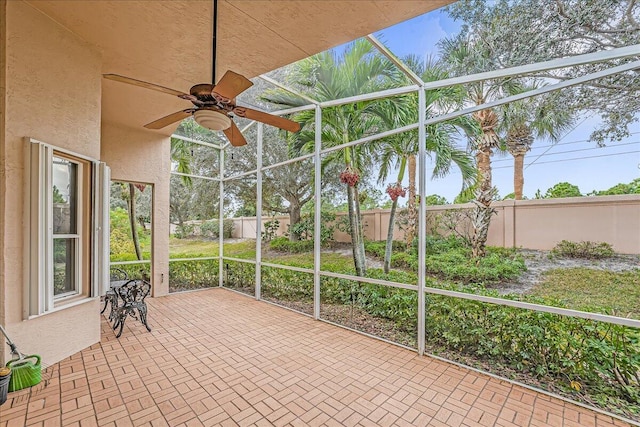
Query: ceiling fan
[213,105]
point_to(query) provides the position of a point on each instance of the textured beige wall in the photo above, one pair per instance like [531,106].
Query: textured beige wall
[532,224]
[53,95]
[3,62]
[144,156]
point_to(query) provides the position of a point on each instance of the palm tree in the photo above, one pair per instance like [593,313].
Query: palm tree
[402,149]
[467,56]
[542,117]
[329,76]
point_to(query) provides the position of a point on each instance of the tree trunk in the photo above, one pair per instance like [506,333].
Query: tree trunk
[294,218]
[518,175]
[412,209]
[357,240]
[482,211]
[132,220]
[388,250]
[488,121]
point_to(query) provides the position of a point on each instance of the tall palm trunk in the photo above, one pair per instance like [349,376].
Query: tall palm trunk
[519,141]
[485,193]
[412,209]
[518,175]
[132,220]
[388,250]
[357,240]
[357,235]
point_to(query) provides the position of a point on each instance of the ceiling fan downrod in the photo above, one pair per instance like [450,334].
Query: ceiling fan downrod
[213,45]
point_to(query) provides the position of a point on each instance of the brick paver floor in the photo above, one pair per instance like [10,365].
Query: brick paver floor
[218,358]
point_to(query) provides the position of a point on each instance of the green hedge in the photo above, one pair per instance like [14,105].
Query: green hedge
[195,274]
[577,355]
[286,285]
[240,276]
[134,271]
[283,244]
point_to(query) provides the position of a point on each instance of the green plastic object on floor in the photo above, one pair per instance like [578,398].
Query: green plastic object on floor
[24,372]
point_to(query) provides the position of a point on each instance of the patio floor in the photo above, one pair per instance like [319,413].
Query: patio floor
[219,358]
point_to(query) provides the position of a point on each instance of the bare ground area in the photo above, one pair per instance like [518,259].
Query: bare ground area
[539,262]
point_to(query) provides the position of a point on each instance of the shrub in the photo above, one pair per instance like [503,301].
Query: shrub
[270,229]
[305,227]
[586,249]
[404,260]
[211,228]
[194,274]
[283,244]
[120,242]
[572,353]
[135,271]
[184,230]
[240,276]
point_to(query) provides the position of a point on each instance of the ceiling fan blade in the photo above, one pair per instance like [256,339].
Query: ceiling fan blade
[171,118]
[231,85]
[146,85]
[270,119]
[235,136]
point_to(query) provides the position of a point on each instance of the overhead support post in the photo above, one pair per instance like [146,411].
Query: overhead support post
[259,210]
[317,211]
[422,218]
[221,222]
[398,62]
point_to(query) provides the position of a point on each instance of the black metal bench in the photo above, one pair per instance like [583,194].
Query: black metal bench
[118,278]
[130,302]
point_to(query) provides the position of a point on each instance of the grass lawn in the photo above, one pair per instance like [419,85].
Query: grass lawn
[188,248]
[594,290]
[333,262]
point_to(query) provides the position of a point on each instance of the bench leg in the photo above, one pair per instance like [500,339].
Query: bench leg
[121,317]
[142,311]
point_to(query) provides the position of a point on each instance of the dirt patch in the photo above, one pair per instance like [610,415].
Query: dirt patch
[539,262]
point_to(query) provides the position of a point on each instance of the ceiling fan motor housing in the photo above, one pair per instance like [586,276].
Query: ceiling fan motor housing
[211,119]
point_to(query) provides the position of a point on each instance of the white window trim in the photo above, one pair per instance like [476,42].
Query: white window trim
[38,287]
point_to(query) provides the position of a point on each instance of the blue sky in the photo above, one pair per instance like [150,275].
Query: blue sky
[573,158]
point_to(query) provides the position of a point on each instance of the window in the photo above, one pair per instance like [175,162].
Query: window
[66,229]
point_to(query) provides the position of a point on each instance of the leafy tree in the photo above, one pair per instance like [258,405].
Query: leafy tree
[631,188]
[328,76]
[527,31]
[402,149]
[562,189]
[530,119]
[194,198]
[57,196]
[435,200]
[285,189]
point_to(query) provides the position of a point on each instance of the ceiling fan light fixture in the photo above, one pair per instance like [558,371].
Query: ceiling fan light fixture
[213,120]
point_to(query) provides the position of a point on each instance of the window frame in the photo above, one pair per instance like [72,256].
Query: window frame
[91,235]
[80,234]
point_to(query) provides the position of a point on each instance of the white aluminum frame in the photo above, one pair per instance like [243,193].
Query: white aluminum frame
[420,87]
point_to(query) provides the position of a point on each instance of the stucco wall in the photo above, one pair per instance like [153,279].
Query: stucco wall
[531,224]
[144,156]
[53,95]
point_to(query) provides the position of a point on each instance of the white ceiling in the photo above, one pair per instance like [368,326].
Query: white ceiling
[170,42]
